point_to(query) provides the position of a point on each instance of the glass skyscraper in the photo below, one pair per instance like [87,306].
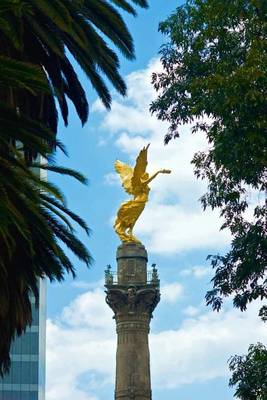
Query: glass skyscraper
[26,380]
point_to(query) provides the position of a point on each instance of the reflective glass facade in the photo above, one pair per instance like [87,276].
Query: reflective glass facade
[26,380]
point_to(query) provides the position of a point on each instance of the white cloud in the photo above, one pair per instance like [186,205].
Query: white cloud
[198,271]
[173,220]
[171,292]
[112,179]
[191,311]
[170,228]
[81,346]
[91,311]
[126,117]
[87,285]
[199,350]
[82,340]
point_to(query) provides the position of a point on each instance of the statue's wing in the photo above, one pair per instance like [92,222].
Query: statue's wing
[149,294]
[126,174]
[116,298]
[140,167]
[149,297]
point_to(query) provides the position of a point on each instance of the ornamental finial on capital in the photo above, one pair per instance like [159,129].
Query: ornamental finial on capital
[155,275]
[108,275]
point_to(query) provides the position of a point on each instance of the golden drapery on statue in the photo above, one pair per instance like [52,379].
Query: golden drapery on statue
[135,182]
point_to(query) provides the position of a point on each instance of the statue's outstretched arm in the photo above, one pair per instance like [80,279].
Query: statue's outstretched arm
[161,171]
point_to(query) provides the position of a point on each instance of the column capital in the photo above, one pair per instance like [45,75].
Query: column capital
[132,299]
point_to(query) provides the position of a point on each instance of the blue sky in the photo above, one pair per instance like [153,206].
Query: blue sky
[189,343]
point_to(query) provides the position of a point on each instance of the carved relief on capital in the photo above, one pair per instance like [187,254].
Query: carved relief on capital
[132,299]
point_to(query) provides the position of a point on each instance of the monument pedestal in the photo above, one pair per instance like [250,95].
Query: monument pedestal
[132,296]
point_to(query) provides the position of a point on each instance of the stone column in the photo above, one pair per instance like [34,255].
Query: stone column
[132,298]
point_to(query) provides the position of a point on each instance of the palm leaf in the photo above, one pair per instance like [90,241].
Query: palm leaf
[21,75]
[109,21]
[62,170]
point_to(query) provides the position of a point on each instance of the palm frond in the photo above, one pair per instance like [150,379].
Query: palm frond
[21,75]
[106,18]
[62,170]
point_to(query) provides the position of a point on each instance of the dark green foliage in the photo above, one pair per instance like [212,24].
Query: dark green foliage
[250,373]
[215,77]
[34,221]
[44,34]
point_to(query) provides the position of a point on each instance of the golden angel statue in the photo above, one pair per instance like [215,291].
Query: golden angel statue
[135,182]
